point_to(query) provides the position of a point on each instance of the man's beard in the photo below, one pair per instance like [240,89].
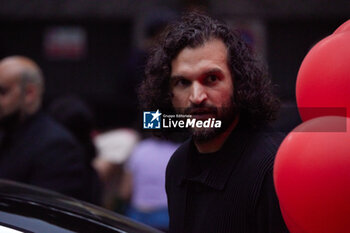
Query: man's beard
[226,114]
[10,121]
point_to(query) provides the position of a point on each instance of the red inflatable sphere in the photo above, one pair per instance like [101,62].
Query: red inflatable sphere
[345,27]
[323,82]
[312,176]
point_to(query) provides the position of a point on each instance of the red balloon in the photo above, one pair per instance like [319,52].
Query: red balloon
[323,82]
[292,226]
[345,27]
[312,176]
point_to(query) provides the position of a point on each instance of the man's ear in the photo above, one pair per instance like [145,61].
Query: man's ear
[30,94]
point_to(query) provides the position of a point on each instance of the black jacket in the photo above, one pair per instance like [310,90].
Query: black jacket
[42,153]
[231,192]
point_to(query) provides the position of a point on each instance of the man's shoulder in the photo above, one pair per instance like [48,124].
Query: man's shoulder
[262,147]
[49,129]
[52,139]
[269,140]
[43,133]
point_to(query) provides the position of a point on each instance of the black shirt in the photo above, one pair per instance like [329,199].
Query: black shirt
[230,190]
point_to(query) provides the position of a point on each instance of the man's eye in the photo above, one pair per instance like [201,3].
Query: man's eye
[211,78]
[3,91]
[182,82]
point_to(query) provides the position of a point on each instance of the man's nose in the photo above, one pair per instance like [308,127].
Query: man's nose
[198,93]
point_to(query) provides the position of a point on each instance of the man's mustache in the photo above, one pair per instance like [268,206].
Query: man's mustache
[201,109]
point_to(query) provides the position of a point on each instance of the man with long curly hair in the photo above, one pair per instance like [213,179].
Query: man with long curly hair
[220,180]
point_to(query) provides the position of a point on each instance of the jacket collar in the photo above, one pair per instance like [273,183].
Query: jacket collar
[218,174]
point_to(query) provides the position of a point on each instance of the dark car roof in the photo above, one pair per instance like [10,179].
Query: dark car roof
[49,199]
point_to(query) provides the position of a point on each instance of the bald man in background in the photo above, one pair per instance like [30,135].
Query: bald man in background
[33,148]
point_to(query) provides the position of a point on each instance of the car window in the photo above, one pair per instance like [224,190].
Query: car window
[28,224]
[5,229]
[33,217]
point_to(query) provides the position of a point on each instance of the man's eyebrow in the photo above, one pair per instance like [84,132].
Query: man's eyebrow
[176,77]
[213,70]
[210,71]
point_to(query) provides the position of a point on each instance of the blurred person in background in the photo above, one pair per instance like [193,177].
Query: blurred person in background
[34,149]
[76,116]
[144,182]
[113,149]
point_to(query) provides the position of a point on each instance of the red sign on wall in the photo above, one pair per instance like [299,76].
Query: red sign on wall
[66,43]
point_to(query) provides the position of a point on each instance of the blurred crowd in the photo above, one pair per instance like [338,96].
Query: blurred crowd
[60,148]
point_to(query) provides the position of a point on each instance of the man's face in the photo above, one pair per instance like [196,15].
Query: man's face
[11,97]
[202,86]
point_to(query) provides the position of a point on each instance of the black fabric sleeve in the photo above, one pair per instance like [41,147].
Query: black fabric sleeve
[60,166]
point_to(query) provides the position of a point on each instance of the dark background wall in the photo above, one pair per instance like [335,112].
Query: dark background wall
[289,40]
[115,28]
[97,77]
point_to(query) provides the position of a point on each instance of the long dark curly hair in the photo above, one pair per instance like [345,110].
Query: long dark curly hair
[253,95]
